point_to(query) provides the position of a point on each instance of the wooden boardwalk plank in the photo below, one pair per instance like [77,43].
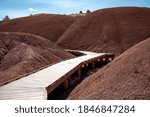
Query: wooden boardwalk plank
[34,86]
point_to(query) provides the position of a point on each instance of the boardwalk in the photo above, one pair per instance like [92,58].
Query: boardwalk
[39,84]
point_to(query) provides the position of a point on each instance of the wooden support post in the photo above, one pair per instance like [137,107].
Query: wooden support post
[102,62]
[107,60]
[110,59]
[98,60]
[69,80]
[93,65]
[104,59]
[79,73]
[65,84]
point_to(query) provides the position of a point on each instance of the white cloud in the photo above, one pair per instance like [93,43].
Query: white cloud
[33,10]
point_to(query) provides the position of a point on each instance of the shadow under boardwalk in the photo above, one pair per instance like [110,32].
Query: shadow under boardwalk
[61,94]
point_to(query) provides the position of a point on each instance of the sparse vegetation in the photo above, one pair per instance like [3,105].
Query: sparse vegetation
[6,18]
[80,12]
[88,11]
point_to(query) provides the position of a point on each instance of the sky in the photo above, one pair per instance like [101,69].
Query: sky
[20,8]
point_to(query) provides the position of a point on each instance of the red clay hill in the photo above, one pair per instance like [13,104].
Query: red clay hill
[22,53]
[127,77]
[46,25]
[112,30]
[108,30]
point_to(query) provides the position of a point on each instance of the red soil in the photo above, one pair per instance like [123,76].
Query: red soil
[109,30]
[127,77]
[22,53]
[47,26]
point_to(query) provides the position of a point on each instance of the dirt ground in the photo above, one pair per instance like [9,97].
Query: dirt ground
[48,26]
[22,53]
[111,30]
[127,77]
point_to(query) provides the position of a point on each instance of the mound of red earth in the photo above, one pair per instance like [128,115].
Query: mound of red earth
[22,53]
[127,77]
[111,30]
[48,26]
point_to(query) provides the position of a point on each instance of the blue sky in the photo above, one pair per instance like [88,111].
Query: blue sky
[19,8]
